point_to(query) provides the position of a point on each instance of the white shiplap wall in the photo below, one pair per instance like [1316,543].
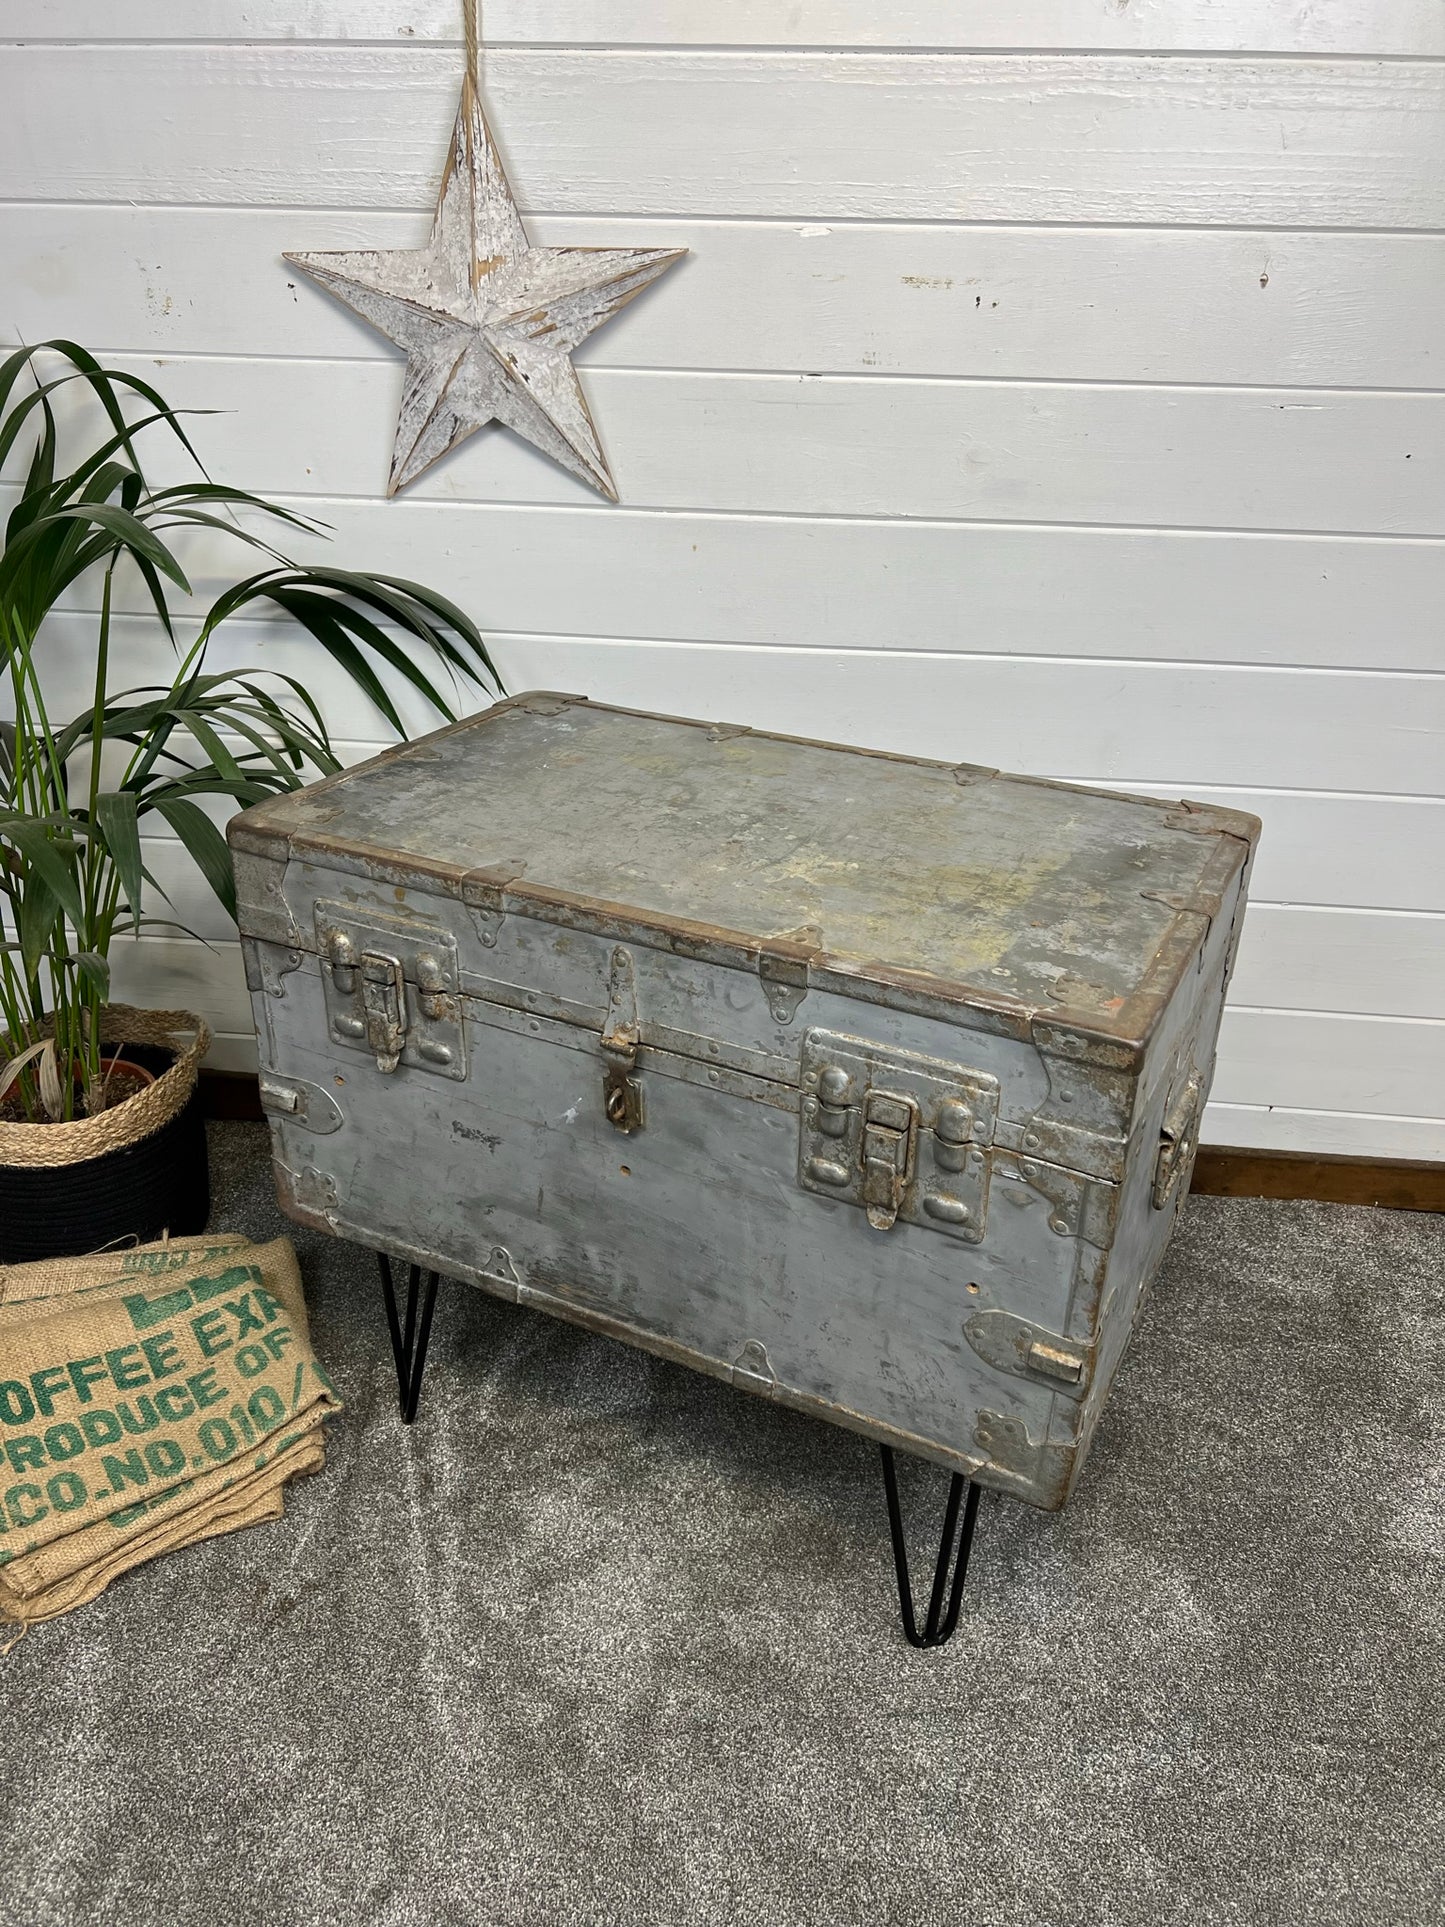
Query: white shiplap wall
[1052,383]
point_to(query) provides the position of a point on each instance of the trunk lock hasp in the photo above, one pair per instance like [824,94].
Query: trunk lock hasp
[903,1136]
[392,989]
[621,1035]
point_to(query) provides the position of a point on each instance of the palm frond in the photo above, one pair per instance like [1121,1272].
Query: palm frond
[71,854]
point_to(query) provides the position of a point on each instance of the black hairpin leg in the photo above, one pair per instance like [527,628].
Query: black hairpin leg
[409,1342]
[939,1625]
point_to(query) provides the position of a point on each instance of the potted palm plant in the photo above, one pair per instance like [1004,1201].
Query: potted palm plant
[100,1131]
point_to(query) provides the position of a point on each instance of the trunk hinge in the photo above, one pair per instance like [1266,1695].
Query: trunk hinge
[783,970]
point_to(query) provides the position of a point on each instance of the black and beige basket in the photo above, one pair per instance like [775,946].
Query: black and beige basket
[132,1171]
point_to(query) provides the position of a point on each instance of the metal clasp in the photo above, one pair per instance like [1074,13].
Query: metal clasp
[1178,1141]
[890,1138]
[904,1136]
[621,1091]
[383,1003]
[392,987]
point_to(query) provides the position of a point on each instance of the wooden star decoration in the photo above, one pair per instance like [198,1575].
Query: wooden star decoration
[488,321]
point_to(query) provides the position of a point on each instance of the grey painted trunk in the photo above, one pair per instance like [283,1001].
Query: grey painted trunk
[868,1084]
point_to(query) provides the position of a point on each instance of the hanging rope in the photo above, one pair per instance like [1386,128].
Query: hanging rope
[472,33]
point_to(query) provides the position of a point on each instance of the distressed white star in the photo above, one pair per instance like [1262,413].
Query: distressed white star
[488,321]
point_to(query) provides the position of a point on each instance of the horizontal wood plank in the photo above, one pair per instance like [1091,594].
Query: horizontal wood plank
[1175,596]
[813,136]
[1323,1133]
[1346,851]
[1263,26]
[1366,962]
[233,1055]
[171,973]
[1051,303]
[1221,458]
[1317,1061]
[1215,726]
[1195,725]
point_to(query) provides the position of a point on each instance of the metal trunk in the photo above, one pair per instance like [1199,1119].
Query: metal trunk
[868,1084]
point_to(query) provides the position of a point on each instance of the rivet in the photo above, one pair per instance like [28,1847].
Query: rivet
[1031,1139]
[714,1077]
[1061,1225]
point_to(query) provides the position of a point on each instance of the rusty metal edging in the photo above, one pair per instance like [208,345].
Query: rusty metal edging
[502,889]
[1194,915]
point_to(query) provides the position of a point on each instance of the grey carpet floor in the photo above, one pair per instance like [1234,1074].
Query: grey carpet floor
[601,1641]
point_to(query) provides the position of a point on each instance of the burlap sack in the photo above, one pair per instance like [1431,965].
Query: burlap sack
[248,1499]
[32,1573]
[58,1277]
[145,1386]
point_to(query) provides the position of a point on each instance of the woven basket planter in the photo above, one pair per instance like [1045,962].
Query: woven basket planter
[132,1173]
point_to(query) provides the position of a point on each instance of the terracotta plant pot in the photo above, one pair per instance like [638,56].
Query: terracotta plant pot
[124,1076]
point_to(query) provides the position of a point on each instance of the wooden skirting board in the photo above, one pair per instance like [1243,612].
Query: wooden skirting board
[1399,1184]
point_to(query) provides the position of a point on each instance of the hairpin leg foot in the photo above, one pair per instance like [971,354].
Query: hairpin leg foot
[939,1624]
[409,1340]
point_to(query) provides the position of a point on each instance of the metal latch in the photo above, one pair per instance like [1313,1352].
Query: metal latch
[902,1135]
[890,1128]
[383,1001]
[392,988]
[1178,1141]
[621,1033]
